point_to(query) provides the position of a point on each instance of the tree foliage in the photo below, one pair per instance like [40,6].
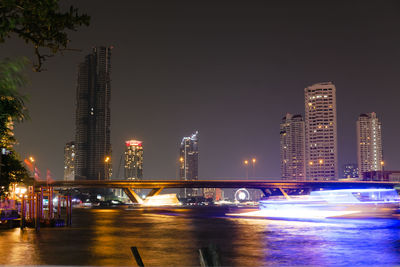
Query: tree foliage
[40,23]
[12,171]
[12,102]
[12,109]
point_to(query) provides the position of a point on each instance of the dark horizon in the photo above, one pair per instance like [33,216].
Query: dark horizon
[230,71]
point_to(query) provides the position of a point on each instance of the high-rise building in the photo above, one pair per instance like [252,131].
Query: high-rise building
[350,171]
[292,147]
[189,163]
[133,160]
[321,132]
[93,146]
[69,161]
[133,165]
[369,143]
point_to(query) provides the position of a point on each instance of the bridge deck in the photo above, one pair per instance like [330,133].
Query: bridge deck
[257,184]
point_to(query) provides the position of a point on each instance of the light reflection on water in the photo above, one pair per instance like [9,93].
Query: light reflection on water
[104,237]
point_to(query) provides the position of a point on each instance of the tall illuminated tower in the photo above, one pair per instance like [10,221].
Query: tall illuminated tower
[292,147]
[369,143]
[321,132]
[189,162]
[69,161]
[133,160]
[93,147]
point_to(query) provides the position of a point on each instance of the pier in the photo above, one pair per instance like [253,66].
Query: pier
[30,210]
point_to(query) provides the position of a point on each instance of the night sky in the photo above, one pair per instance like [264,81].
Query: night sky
[229,69]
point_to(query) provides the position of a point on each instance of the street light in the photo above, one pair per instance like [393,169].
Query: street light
[32,160]
[321,161]
[246,164]
[254,160]
[107,160]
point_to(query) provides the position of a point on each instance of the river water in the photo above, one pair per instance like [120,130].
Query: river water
[103,237]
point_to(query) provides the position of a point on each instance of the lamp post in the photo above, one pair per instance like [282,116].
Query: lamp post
[383,169]
[178,170]
[253,161]
[107,174]
[32,161]
[321,161]
[310,164]
[246,165]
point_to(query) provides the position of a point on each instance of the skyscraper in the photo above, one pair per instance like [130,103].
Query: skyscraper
[93,147]
[321,132]
[133,160]
[189,162]
[69,161]
[369,143]
[292,147]
[133,165]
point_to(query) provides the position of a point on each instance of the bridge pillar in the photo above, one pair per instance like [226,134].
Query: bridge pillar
[133,196]
[266,192]
[155,192]
[284,193]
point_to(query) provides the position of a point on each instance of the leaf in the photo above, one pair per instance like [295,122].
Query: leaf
[40,23]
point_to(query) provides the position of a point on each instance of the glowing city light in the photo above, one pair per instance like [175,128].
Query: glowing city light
[162,200]
[133,143]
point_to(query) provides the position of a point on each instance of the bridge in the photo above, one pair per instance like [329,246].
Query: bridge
[157,186]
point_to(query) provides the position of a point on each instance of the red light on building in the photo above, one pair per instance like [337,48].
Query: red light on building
[133,143]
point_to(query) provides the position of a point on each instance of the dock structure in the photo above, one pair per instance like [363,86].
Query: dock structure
[34,213]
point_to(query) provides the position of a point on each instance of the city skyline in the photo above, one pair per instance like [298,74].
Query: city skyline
[199,133]
[226,70]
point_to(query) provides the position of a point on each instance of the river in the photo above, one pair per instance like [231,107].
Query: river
[103,237]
